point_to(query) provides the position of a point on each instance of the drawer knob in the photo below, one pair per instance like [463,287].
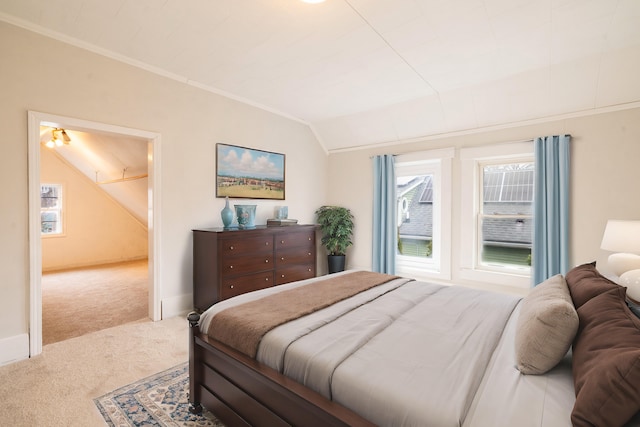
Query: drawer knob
[281,258]
[309,270]
[230,286]
[309,238]
[282,276]
[309,253]
[266,243]
[282,241]
[231,267]
[230,248]
[266,279]
[266,261]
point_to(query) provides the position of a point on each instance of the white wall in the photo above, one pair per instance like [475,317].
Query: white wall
[97,230]
[604,176]
[44,75]
[48,76]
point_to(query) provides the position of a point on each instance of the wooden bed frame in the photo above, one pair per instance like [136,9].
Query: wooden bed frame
[240,391]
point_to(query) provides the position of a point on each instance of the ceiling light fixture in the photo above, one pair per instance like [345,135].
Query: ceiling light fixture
[65,137]
[59,138]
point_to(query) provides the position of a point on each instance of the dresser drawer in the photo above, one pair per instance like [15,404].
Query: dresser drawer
[295,240]
[239,265]
[293,256]
[295,272]
[231,287]
[246,246]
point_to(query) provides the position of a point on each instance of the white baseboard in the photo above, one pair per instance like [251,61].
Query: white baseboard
[89,264]
[13,349]
[177,306]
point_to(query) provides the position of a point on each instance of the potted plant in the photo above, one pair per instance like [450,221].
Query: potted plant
[336,226]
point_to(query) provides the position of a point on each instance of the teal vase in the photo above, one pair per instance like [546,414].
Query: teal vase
[246,215]
[226,214]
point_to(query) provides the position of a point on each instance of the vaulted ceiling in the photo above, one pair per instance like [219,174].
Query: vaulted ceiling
[361,72]
[116,164]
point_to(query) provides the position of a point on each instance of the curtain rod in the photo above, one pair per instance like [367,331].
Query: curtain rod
[482,145]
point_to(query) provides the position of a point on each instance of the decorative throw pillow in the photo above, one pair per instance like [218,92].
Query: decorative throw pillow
[586,282]
[546,327]
[606,362]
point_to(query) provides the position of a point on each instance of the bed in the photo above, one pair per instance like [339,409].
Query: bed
[400,352]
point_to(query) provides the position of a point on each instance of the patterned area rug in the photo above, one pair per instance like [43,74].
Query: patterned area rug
[159,400]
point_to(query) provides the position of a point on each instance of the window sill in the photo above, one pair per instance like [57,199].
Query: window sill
[519,281]
[52,236]
[422,273]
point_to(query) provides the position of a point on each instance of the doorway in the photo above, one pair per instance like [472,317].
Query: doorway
[36,120]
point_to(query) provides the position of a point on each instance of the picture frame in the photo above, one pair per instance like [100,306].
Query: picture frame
[249,173]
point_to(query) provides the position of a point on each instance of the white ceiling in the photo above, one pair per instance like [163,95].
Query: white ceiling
[369,71]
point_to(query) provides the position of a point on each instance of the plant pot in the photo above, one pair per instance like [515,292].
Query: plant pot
[336,263]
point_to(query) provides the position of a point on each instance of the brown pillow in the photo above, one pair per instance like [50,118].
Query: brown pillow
[546,327]
[585,282]
[606,362]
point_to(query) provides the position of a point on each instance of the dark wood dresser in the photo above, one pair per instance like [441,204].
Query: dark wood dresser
[231,262]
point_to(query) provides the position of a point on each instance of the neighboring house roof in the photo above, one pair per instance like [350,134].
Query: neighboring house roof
[508,183]
[507,190]
[419,209]
[508,230]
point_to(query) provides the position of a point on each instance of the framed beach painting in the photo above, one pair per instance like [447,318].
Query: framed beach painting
[247,173]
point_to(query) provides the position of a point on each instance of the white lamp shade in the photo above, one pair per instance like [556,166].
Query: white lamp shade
[622,236]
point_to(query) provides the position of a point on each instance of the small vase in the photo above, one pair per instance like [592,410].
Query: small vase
[227,214]
[246,215]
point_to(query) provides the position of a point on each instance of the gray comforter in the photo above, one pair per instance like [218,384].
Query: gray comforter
[410,353]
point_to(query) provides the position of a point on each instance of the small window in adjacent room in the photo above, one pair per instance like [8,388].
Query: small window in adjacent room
[51,209]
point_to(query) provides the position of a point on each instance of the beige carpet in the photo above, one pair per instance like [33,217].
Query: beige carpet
[71,299]
[57,388]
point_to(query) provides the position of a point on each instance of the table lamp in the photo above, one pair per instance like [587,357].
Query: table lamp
[623,238]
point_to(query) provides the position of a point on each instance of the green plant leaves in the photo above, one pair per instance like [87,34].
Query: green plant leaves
[336,226]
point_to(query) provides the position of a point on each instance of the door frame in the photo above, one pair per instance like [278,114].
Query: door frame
[37,119]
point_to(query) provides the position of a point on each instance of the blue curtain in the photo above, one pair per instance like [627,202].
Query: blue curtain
[384,215]
[551,208]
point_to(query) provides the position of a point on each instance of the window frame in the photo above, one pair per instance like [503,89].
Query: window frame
[439,164]
[472,162]
[60,210]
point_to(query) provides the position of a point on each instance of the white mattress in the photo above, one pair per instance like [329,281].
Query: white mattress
[508,398]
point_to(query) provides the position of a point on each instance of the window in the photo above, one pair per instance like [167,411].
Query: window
[415,215]
[505,215]
[497,213]
[423,191]
[51,209]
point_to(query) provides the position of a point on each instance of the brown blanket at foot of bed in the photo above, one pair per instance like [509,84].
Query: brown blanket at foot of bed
[242,327]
